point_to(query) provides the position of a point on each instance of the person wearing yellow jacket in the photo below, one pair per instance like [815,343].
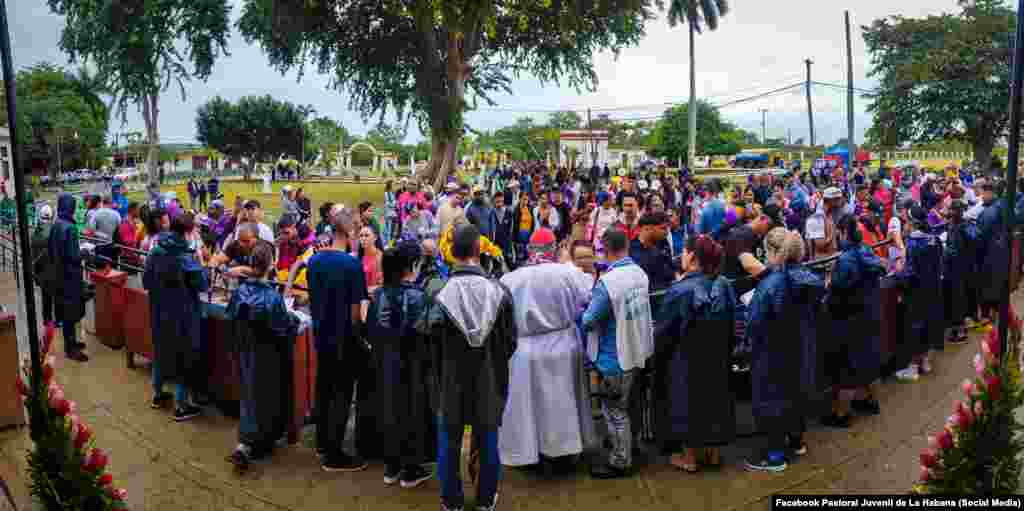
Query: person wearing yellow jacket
[445,243]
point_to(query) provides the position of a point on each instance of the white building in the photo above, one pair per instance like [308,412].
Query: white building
[583,144]
[627,157]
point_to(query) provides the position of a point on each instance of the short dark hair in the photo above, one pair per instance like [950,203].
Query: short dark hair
[499,194]
[365,205]
[325,210]
[183,223]
[656,218]
[629,195]
[262,258]
[615,241]
[133,206]
[252,204]
[466,242]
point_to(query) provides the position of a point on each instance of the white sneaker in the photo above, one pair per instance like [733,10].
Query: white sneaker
[908,374]
[926,366]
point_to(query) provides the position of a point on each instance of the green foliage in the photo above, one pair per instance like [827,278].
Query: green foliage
[942,77]
[142,47]
[257,127]
[55,105]
[565,120]
[697,13]
[715,136]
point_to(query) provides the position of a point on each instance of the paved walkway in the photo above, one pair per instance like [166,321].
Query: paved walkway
[165,465]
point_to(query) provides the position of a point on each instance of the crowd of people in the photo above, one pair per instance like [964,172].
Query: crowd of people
[514,303]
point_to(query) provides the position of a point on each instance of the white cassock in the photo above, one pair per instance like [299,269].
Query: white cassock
[548,409]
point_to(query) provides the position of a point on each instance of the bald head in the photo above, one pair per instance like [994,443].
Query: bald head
[429,248]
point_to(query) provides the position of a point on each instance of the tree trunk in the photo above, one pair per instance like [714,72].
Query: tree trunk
[692,149]
[445,115]
[151,116]
[447,165]
[983,145]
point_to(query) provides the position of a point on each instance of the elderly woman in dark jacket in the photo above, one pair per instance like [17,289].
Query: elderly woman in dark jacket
[693,342]
[265,331]
[174,279]
[781,329]
[66,277]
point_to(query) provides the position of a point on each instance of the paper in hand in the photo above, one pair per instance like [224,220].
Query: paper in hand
[747,297]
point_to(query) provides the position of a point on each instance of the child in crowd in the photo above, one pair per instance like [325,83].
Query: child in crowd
[265,329]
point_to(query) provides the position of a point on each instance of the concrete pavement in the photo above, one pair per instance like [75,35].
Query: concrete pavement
[165,465]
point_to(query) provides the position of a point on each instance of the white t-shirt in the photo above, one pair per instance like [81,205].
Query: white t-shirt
[895,227]
[265,233]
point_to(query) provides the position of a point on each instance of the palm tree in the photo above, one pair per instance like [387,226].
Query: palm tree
[697,14]
[92,87]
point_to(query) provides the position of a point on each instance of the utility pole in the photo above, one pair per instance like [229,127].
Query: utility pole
[810,111]
[850,145]
[764,126]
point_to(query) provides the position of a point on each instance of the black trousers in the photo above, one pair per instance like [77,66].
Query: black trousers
[336,380]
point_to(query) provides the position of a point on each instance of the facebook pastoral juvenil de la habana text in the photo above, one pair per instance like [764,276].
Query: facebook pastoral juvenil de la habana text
[919,502]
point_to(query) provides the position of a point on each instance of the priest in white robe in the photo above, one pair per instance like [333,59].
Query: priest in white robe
[548,411]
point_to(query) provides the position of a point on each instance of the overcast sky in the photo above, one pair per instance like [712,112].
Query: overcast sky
[760,46]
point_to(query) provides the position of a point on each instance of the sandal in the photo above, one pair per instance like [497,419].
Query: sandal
[678,461]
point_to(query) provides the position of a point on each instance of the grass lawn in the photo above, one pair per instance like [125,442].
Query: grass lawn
[318,192]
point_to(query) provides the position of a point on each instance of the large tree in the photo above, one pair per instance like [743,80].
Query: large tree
[142,48]
[565,120]
[61,119]
[434,59]
[697,14]
[942,77]
[257,128]
[716,136]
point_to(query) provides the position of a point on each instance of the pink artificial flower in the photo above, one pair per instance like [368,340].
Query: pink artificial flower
[22,388]
[963,417]
[96,461]
[993,385]
[55,394]
[967,386]
[117,493]
[979,365]
[106,480]
[82,436]
[945,439]
[929,458]
[62,407]
[933,441]
[926,474]
[993,343]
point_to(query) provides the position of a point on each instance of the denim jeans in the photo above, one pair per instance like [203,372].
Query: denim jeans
[449,457]
[180,392]
[615,392]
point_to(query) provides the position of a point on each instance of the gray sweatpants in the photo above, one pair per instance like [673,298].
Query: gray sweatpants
[615,392]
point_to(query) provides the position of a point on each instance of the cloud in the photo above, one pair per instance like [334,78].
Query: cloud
[759,46]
